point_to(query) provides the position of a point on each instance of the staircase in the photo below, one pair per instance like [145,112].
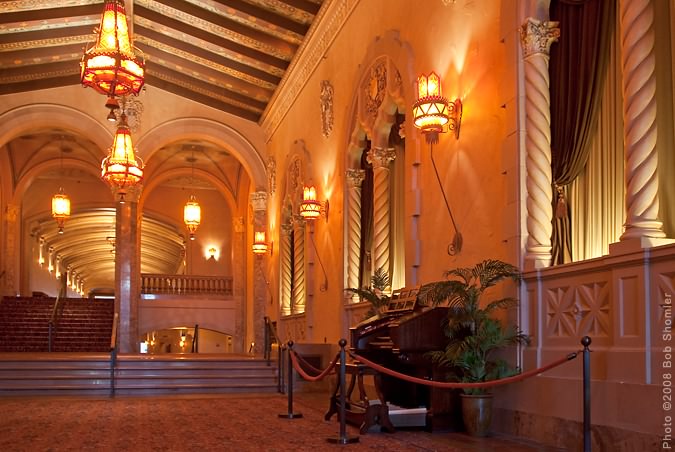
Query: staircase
[90,374]
[84,326]
[24,324]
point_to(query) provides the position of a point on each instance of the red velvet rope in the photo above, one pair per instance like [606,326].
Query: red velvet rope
[307,365]
[450,385]
[308,377]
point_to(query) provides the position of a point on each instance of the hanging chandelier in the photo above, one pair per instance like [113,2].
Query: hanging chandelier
[60,208]
[192,215]
[110,66]
[121,168]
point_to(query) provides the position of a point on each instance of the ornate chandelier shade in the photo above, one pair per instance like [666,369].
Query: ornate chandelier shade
[110,66]
[432,112]
[192,215]
[121,168]
[60,209]
[310,209]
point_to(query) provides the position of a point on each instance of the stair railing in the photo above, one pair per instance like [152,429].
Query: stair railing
[271,337]
[195,340]
[54,320]
[113,353]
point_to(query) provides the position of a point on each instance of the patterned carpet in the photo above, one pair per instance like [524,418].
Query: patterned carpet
[203,423]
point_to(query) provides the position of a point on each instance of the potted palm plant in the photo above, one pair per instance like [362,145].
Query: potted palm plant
[375,294]
[474,335]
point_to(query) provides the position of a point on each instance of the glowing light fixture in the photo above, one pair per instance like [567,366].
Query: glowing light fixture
[192,215]
[110,65]
[121,168]
[60,209]
[259,243]
[311,209]
[432,112]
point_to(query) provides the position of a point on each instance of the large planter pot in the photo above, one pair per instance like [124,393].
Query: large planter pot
[477,413]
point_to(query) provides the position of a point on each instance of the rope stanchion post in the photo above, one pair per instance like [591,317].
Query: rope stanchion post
[586,341]
[343,438]
[289,384]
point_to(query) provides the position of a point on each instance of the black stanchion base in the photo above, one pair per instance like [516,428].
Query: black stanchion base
[345,440]
[291,416]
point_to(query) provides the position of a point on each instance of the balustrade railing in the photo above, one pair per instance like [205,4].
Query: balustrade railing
[185,284]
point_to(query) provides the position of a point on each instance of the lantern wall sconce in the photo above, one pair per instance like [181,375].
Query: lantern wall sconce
[433,113]
[260,246]
[310,208]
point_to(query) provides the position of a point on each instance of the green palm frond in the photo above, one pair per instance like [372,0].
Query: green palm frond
[473,335]
[380,279]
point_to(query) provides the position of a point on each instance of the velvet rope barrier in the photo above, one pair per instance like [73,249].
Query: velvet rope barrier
[450,385]
[308,365]
[308,377]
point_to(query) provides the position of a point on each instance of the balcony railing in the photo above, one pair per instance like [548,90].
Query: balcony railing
[185,284]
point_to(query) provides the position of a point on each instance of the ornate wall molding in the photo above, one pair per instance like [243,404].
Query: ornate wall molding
[324,29]
[326,108]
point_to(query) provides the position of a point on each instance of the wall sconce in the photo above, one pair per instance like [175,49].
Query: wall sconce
[433,113]
[311,209]
[212,253]
[259,244]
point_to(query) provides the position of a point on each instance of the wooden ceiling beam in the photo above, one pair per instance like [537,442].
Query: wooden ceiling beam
[208,37]
[267,16]
[188,81]
[50,13]
[220,81]
[205,54]
[188,8]
[201,98]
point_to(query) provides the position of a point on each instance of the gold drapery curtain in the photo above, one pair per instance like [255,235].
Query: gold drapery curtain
[578,65]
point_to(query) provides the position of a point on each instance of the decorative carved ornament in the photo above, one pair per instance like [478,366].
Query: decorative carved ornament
[375,88]
[258,201]
[579,311]
[326,108]
[381,157]
[271,175]
[355,177]
[537,36]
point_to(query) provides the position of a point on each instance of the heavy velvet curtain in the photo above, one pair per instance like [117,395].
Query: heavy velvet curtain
[366,220]
[578,65]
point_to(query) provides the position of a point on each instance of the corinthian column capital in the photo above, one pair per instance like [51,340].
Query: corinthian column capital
[355,177]
[381,157]
[536,36]
[258,200]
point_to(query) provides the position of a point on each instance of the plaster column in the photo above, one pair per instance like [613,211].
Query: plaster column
[355,178]
[128,270]
[11,253]
[298,303]
[380,158]
[536,38]
[239,279]
[639,118]
[258,201]
[286,269]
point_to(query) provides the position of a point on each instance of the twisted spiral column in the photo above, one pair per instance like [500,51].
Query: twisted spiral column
[380,159]
[258,202]
[286,269]
[639,118]
[354,180]
[536,38]
[298,305]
